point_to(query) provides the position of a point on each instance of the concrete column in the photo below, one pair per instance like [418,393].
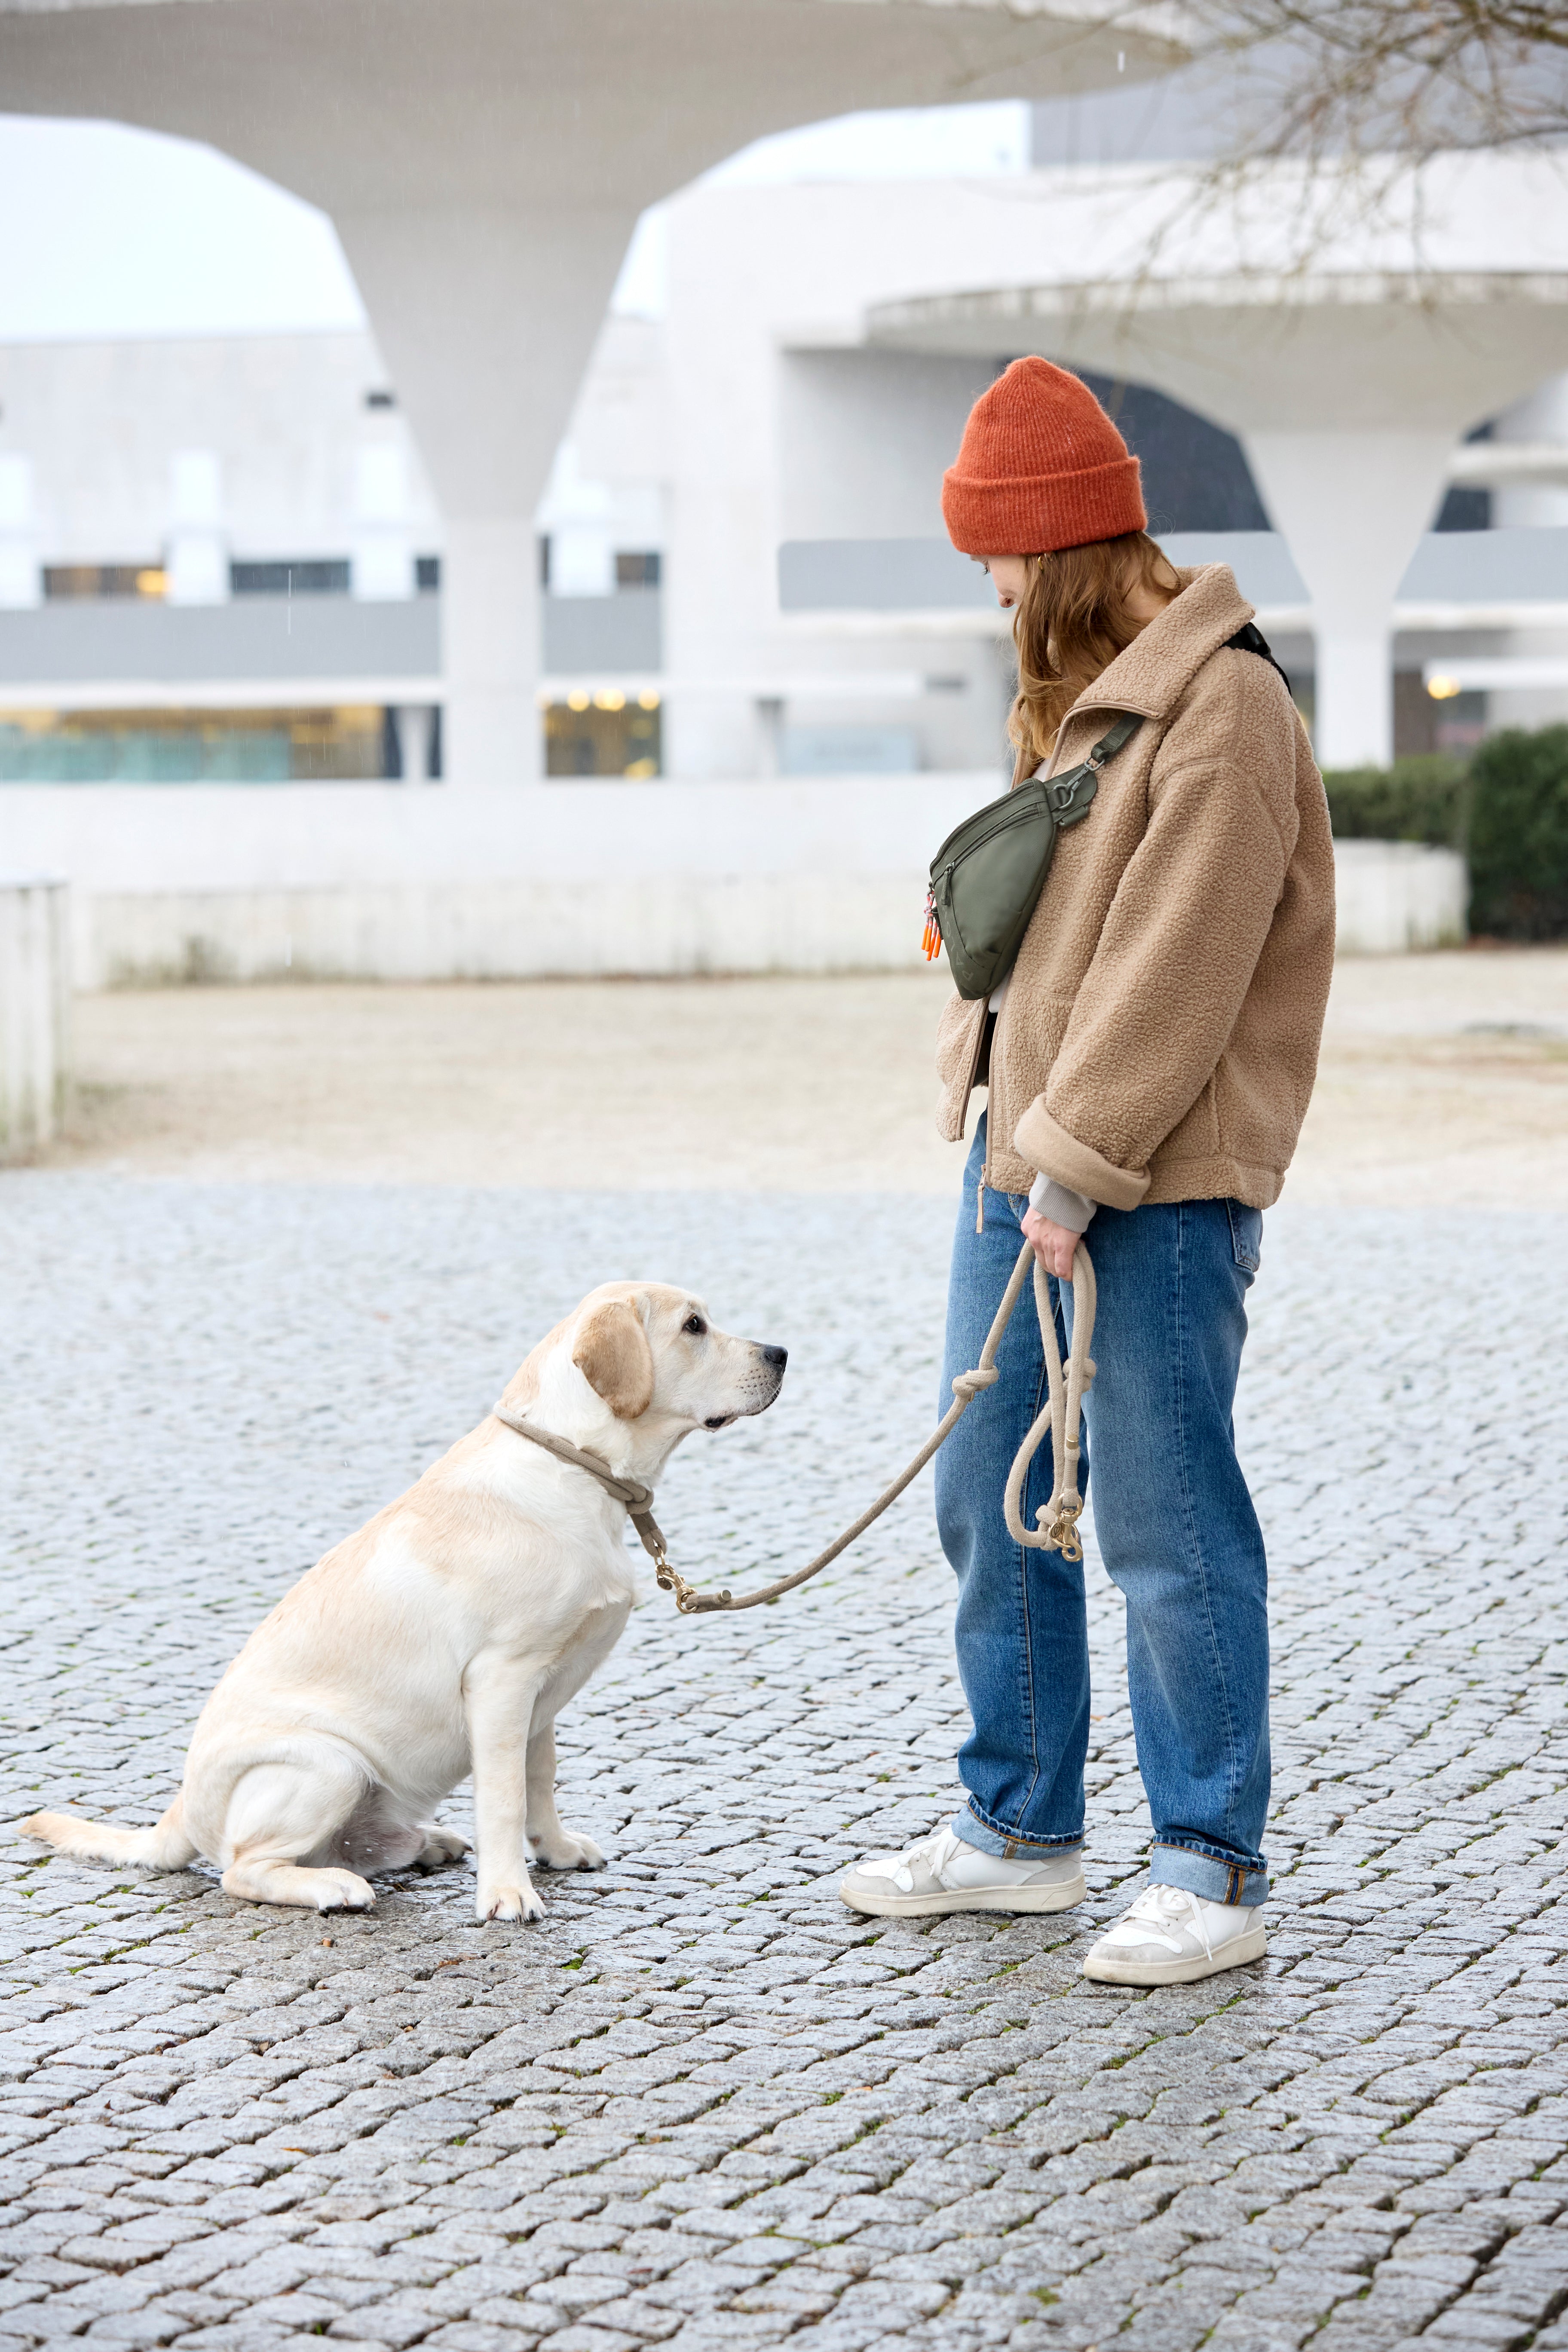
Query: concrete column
[486,317]
[489,623]
[35,1012]
[197,554]
[21,581]
[1353,507]
[1543,417]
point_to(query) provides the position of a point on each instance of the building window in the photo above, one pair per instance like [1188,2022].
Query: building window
[635,569]
[191,747]
[605,734]
[314,576]
[68,582]
[1465,509]
[380,399]
[427,574]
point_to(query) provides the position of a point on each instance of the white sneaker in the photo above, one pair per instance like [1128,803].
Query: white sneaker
[944,1873]
[1169,1937]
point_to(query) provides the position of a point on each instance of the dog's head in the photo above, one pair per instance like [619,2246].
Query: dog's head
[649,1354]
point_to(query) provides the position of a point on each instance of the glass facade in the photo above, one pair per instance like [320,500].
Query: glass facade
[606,734]
[193,747]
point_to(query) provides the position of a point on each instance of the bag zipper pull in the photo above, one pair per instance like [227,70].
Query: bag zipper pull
[931,938]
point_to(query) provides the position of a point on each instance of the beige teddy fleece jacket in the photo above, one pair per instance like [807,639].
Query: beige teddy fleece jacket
[1158,1037]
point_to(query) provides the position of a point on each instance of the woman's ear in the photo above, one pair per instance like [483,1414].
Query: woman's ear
[612,1352]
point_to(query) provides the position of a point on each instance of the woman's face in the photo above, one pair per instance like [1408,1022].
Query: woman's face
[1009,576]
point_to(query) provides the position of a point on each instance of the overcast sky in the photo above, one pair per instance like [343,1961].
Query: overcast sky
[129,233]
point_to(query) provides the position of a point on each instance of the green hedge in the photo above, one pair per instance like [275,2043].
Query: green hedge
[1519,835]
[1507,811]
[1427,798]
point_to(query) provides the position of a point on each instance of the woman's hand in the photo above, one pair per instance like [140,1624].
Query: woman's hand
[1053,1246]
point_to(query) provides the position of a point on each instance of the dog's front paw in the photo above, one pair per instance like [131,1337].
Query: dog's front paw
[507,1902]
[567,1850]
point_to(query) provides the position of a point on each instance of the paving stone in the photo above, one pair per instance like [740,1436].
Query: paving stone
[703,2105]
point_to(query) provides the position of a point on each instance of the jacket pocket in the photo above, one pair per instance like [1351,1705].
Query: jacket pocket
[1246,1235]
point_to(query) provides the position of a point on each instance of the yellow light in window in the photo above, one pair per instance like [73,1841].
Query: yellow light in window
[640,771]
[578,701]
[1443,690]
[610,697]
[647,700]
[153,581]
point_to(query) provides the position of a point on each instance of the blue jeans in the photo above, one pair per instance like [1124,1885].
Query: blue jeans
[1176,1530]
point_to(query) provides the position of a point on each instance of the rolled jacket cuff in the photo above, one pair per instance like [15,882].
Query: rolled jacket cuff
[1049,1147]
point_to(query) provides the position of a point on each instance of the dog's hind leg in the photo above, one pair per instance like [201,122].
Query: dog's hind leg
[279,1817]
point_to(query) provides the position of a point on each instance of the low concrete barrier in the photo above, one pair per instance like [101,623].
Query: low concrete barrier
[386,882]
[391,882]
[1392,895]
[35,1012]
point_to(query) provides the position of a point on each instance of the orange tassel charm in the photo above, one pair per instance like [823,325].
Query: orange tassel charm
[931,939]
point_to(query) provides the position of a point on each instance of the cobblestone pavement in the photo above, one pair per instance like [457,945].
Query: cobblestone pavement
[703,2105]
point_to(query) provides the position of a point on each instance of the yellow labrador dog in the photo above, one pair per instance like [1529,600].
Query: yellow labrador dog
[444,1637]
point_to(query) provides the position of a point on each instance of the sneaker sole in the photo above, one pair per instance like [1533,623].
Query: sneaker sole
[1253,1946]
[975,1898]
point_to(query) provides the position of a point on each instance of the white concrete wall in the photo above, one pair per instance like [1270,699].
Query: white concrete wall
[35,1012]
[384,882]
[1394,896]
[373,882]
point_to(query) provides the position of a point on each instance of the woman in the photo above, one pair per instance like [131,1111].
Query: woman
[1147,1064]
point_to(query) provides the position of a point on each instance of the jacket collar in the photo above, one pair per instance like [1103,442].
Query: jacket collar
[1160,663]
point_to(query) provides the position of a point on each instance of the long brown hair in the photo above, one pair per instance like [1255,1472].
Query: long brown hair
[1072,623]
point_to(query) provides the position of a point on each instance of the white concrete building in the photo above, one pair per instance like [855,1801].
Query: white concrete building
[485,168]
[745,583]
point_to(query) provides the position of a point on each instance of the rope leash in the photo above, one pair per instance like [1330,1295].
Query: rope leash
[1055,1521]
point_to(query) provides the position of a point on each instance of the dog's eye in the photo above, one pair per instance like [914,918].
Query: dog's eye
[695,1325]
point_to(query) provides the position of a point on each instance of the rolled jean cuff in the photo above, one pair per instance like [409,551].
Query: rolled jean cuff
[1007,1847]
[1201,1872]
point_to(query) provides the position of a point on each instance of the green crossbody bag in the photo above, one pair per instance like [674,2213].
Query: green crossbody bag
[986,879]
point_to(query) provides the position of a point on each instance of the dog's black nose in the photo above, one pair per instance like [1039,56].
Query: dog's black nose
[779,1356]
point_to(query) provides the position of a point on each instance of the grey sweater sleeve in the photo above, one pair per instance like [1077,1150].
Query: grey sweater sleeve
[1061,1204]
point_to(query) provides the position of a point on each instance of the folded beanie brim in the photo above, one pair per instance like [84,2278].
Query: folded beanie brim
[1042,513]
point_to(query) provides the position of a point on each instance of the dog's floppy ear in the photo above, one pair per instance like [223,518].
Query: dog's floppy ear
[612,1352]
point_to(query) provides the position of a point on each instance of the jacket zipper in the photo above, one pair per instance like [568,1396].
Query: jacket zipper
[994,1019]
[980,1027]
[1049,770]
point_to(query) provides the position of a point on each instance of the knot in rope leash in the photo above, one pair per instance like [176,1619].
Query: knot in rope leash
[1062,1418]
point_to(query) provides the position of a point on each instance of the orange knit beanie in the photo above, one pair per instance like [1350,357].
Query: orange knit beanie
[1040,468]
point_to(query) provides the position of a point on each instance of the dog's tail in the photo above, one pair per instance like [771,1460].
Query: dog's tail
[165,1847]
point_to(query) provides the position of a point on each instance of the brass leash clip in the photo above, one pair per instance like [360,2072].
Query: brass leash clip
[1063,1530]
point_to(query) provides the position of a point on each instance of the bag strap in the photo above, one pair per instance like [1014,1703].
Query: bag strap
[1070,794]
[1110,742]
[1251,639]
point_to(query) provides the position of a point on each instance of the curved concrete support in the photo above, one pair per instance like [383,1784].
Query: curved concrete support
[1353,507]
[1348,388]
[485,166]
